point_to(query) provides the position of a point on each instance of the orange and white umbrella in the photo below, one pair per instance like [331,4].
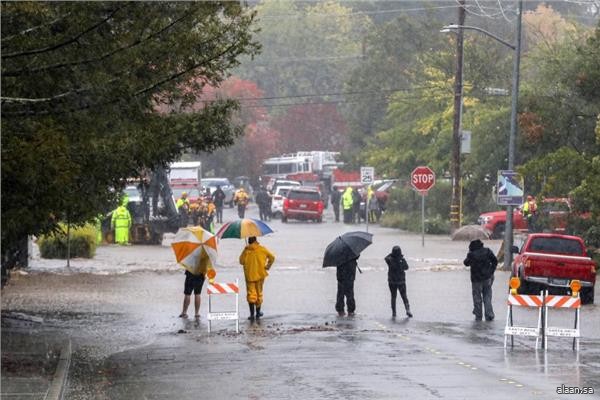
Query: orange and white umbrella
[195,249]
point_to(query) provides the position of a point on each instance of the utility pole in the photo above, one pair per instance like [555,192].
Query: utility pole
[456,128]
[508,228]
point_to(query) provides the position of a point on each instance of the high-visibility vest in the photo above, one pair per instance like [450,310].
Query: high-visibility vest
[181,202]
[121,218]
[347,200]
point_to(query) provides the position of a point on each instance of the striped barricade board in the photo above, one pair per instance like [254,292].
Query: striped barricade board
[525,300]
[221,288]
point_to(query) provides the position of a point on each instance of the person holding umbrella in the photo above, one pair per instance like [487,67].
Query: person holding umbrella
[196,251]
[343,253]
[257,261]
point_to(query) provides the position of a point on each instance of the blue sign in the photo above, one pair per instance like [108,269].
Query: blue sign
[510,188]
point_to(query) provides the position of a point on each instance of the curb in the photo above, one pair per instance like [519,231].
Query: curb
[59,381]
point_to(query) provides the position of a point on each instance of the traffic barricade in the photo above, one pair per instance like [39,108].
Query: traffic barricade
[512,330]
[221,289]
[572,302]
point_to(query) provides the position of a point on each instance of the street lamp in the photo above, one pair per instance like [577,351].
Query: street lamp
[508,237]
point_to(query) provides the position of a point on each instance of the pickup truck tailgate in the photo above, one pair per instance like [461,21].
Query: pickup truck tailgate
[559,266]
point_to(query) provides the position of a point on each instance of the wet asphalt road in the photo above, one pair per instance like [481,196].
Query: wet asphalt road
[120,310]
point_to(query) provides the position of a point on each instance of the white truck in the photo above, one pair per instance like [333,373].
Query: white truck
[189,172]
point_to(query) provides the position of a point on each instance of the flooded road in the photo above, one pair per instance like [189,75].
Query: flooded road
[120,312]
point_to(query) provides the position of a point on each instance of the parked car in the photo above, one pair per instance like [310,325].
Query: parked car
[277,203]
[556,209]
[551,261]
[226,187]
[273,184]
[302,203]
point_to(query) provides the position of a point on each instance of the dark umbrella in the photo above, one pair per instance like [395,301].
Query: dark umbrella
[346,247]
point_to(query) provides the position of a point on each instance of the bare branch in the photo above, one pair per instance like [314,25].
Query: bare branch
[65,43]
[34,28]
[38,100]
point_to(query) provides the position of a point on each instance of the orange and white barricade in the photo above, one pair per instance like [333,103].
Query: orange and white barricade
[523,300]
[223,289]
[562,302]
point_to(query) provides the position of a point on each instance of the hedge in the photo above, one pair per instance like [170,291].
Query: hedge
[83,242]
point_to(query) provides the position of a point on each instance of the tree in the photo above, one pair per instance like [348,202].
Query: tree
[80,84]
[312,127]
[259,141]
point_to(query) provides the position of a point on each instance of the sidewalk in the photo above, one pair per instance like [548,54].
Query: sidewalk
[34,363]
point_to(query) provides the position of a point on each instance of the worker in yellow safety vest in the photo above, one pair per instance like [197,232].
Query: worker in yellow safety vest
[121,222]
[347,205]
[529,211]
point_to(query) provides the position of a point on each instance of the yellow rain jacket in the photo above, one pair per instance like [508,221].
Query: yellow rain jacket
[347,201]
[256,260]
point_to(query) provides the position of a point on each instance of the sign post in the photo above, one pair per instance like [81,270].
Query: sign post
[367,176]
[422,179]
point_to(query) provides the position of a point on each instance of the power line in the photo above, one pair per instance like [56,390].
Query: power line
[358,13]
[378,91]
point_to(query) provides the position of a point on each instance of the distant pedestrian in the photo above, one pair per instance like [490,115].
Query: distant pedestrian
[262,201]
[257,261]
[336,197]
[397,266]
[356,200]
[193,283]
[483,263]
[348,205]
[373,206]
[346,274]
[218,198]
[241,199]
[529,211]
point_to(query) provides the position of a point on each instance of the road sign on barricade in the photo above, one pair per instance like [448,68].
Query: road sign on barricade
[223,289]
[523,300]
[565,302]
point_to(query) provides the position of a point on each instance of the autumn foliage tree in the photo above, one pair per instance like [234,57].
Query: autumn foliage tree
[259,139]
[309,127]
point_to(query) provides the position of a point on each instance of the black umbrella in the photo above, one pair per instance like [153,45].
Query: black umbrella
[346,247]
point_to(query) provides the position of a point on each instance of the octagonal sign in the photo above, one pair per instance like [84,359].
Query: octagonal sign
[422,179]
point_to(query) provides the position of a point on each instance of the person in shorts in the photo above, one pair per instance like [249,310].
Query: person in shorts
[193,283]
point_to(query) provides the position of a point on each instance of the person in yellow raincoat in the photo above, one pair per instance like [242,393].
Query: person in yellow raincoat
[121,222]
[257,261]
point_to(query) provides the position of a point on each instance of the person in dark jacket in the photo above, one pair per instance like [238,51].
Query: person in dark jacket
[397,278]
[483,263]
[262,200]
[346,273]
[218,197]
[356,199]
[336,198]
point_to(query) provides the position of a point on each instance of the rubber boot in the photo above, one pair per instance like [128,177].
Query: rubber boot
[258,313]
[408,313]
[251,317]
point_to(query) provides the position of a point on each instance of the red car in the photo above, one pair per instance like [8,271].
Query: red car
[303,203]
[558,209]
[551,261]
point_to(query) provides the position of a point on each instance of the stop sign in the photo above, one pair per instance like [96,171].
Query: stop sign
[422,179]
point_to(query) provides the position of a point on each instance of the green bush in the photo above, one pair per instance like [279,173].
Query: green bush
[407,200]
[83,242]
[412,222]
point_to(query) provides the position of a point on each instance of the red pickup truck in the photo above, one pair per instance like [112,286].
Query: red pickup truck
[557,209]
[550,261]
